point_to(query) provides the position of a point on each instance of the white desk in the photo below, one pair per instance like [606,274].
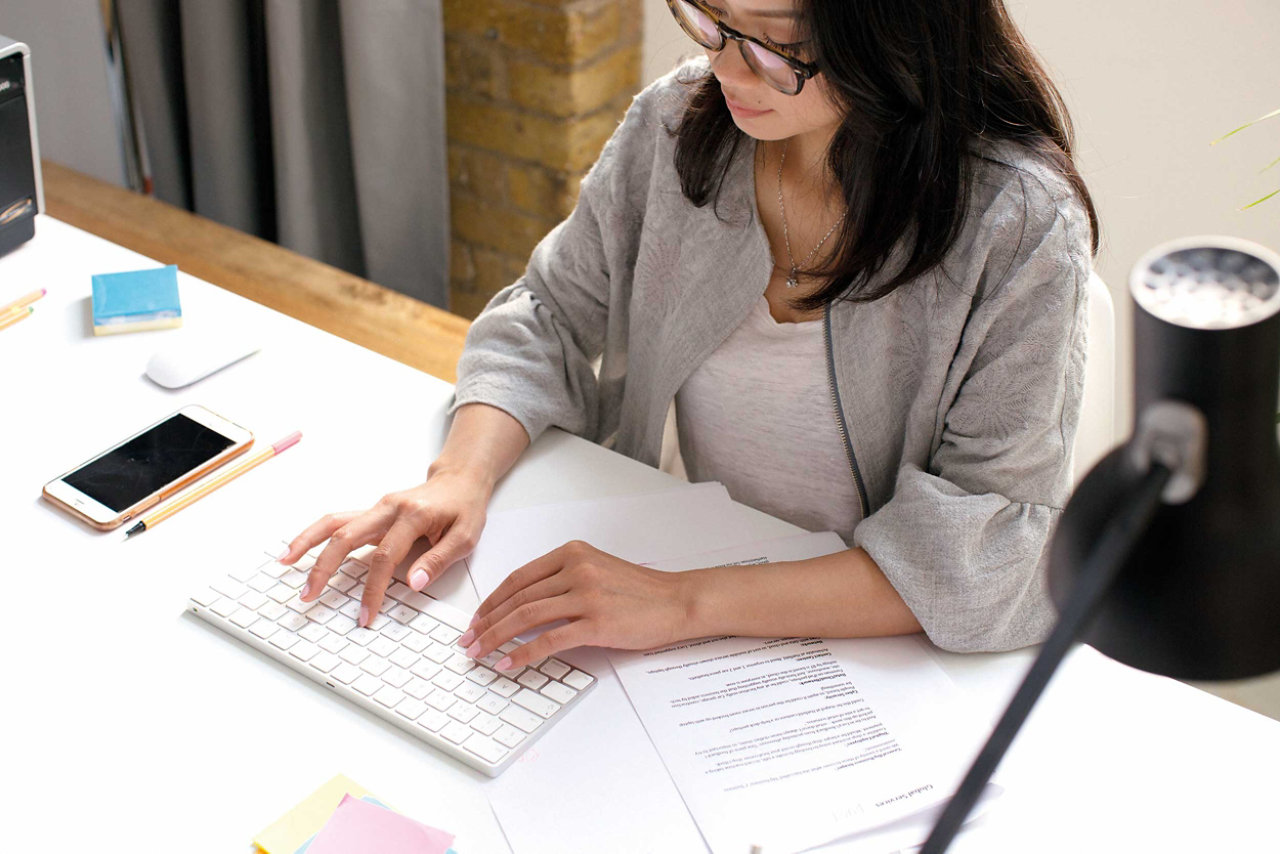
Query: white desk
[127,720]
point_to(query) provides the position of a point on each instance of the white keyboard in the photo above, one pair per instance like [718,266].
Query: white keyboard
[406,667]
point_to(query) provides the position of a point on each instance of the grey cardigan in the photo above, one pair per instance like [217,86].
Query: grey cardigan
[958,394]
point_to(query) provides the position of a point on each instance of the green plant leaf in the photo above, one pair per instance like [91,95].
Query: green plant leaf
[1269,165]
[1270,115]
[1261,200]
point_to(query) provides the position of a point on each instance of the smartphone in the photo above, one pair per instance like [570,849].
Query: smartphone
[149,466]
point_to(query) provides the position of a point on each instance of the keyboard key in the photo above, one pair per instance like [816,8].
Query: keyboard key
[361,636]
[578,679]
[485,723]
[460,664]
[402,614]
[351,610]
[262,583]
[294,621]
[340,624]
[433,720]
[272,610]
[249,571]
[388,696]
[559,692]
[463,712]
[367,684]
[379,620]
[418,688]
[312,631]
[252,599]
[491,703]
[346,673]
[416,642]
[334,643]
[441,699]
[536,703]
[445,635]
[504,687]
[324,661]
[438,653]
[244,618]
[273,568]
[355,569]
[354,654]
[304,650]
[397,590]
[279,593]
[509,735]
[425,669]
[447,681]
[300,606]
[486,748]
[470,692]
[342,583]
[206,597]
[396,632]
[284,640]
[375,665]
[294,579]
[321,614]
[521,719]
[229,587]
[382,646]
[415,600]
[264,628]
[532,679]
[224,607]
[396,676]
[482,676]
[423,623]
[555,668]
[402,657]
[458,733]
[334,598]
[411,708]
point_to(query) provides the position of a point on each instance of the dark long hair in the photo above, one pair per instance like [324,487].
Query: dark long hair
[918,82]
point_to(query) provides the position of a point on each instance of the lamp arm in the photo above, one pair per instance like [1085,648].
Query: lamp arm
[1098,573]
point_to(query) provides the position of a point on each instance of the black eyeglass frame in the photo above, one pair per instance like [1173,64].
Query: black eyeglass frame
[803,70]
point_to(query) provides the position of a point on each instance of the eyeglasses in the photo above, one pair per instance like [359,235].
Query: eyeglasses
[775,67]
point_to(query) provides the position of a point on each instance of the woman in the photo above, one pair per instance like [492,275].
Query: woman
[852,246]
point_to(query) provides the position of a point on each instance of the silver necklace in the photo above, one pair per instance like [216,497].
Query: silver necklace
[793,277]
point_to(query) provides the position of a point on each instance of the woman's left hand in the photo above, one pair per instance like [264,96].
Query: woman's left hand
[604,601]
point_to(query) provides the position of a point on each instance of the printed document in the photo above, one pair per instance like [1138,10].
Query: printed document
[789,743]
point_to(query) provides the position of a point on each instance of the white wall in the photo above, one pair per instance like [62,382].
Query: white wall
[1150,84]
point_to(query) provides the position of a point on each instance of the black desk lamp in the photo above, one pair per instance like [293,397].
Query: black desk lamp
[1167,556]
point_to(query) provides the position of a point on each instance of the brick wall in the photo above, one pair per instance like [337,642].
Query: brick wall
[534,88]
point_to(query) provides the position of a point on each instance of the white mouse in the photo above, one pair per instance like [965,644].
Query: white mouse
[191,359]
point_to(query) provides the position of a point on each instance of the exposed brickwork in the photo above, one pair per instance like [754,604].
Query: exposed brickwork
[534,88]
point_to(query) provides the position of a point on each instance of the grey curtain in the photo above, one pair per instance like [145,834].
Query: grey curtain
[318,124]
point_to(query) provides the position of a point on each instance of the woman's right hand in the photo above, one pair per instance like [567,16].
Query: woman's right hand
[448,509]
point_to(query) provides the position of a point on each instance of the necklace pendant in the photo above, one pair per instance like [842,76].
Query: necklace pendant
[791,281]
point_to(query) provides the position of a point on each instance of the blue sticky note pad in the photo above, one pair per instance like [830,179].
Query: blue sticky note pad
[140,299]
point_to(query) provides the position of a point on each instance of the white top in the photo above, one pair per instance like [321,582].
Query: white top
[757,416]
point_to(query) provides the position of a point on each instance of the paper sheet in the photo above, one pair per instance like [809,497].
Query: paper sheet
[790,743]
[639,528]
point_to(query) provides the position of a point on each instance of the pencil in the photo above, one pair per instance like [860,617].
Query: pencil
[23,301]
[11,317]
[194,494]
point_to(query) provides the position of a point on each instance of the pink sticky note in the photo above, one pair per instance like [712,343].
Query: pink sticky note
[359,827]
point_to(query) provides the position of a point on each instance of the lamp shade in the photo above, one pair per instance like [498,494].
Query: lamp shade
[1199,595]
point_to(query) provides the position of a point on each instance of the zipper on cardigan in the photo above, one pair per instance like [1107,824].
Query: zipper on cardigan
[839,410]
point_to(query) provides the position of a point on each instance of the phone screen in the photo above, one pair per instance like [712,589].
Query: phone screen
[125,475]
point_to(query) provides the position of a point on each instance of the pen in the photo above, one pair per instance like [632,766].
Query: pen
[193,495]
[23,301]
[11,317]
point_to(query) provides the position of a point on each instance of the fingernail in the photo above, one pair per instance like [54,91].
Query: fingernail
[505,664]
[418,579]
[475,618]
[467,637]
[473,651]
[283,552]
[364,616]
[306,590]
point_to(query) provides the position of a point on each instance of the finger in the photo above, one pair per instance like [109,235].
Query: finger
[532,572]
[315,534]
[390,551]
[547,588]
[458,542]
[524,618]
[547,644]
[359,530]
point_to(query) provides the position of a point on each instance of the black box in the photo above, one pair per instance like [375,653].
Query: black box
[21,195]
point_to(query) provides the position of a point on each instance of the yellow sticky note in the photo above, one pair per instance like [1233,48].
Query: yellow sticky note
[302,822]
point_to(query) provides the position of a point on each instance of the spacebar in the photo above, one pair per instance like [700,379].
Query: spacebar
[447,614]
